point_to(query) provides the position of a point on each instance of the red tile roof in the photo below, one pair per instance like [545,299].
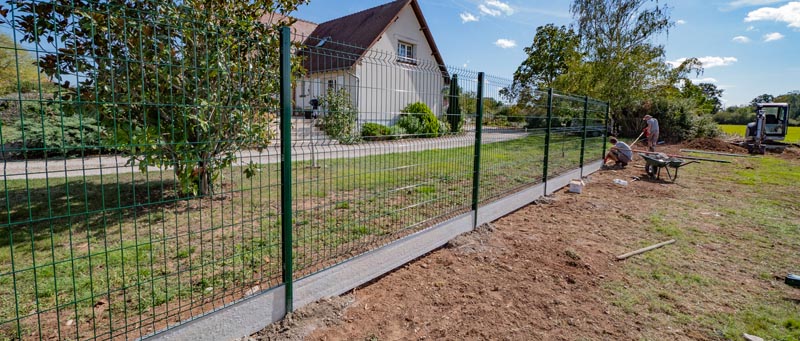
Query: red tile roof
[346,39]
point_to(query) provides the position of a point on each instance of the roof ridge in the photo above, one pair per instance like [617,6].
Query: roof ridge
[365,10]
[303,20]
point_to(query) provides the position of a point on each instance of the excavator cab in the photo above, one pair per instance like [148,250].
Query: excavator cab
[772,123]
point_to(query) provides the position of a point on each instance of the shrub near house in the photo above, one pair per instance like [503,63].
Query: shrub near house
[339,120]
[416,120]
[375,132]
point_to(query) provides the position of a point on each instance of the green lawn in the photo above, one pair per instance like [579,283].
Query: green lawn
[737,235]
[119,253]
[731,129]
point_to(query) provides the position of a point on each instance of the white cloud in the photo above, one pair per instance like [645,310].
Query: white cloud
[789,13]
[495,8]
[773,36]
[741,39]
[751,28]
[680,22]
[749,3]
[505,43]
[489,11]
[704,80]
[468,17]
[502,6]
[708,61]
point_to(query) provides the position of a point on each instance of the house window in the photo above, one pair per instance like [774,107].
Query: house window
[303,88]
[331,84]
[405,52]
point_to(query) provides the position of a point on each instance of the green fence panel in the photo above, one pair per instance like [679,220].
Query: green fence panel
[167,161]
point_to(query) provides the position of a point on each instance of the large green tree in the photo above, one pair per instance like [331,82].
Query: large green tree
[184,84]
[713,96]
[550,55]
[624,64]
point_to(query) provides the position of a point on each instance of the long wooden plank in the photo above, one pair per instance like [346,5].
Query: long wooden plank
[645,249]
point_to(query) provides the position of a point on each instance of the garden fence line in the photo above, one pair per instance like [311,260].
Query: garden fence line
[162,183]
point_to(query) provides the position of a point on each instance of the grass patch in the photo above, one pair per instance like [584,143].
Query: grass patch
[779,321]
[736,227]
[792,135]
[664,226]
[132,241]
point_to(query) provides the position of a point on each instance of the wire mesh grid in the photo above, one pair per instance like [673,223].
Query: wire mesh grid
[380,159]
[120,216]
[142,179]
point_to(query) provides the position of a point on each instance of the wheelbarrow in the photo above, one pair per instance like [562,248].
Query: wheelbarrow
[656,162]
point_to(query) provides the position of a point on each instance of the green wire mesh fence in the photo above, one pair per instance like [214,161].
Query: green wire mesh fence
[142,179]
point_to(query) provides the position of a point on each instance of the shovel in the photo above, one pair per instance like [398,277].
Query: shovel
[637,139]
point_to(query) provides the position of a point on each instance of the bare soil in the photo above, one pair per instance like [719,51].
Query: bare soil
[542,273]
[715,145]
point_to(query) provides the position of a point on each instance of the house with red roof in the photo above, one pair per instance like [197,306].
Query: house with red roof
[384,57]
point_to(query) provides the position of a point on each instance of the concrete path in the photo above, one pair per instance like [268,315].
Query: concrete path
[301,151]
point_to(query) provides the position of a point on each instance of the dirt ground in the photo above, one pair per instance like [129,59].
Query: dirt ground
[539,273]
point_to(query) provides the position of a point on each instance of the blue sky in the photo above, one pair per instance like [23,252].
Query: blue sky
[749,47]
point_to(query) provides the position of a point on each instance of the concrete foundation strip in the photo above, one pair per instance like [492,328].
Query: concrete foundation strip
[252,314]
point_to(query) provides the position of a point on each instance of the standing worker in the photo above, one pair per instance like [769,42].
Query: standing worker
[621,153]
[651,131]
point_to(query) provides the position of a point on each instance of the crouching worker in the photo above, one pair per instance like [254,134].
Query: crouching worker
[621,153]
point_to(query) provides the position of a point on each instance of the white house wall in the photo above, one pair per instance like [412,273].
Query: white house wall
[386,86]
[379,85]
[315,86]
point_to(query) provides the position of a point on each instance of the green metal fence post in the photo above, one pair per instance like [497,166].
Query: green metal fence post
[605,127]
[547,136]
[583,138]
[476,173]
[286,165]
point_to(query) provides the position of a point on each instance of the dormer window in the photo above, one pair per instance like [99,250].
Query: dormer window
[405,52]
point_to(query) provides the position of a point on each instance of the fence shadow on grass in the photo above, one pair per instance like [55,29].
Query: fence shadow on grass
[42,208]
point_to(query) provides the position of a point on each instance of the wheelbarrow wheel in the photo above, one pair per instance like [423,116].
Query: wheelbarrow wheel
[652,170]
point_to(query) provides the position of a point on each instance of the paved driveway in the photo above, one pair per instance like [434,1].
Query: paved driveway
[301,150]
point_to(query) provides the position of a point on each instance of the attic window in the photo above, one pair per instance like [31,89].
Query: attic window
[405,52]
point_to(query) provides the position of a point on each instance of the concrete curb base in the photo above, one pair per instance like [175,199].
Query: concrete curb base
[254,313]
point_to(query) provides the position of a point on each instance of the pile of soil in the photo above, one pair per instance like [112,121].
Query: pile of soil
[714,145]
[299,325]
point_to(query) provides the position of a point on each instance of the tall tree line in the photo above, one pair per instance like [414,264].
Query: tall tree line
[611,52]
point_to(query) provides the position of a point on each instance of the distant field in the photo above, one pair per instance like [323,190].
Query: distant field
[731,129]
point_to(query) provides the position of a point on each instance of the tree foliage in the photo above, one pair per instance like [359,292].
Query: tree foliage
[418,119]
[339,120]
[765,98]
[793,99]
[553,51]
[182,84]
[625,63]
[713,96]
[611,52]
[705,96]
[746,113]
[454,117]
[16,64]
